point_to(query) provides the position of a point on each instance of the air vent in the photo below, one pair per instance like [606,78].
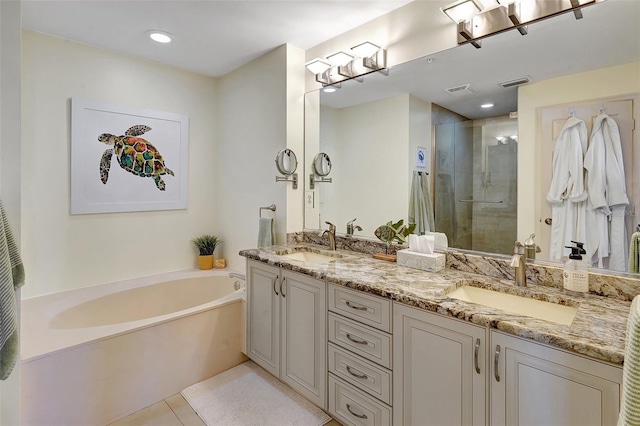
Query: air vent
[465,89]
[515,82]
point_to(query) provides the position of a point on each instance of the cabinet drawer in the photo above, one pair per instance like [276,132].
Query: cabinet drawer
[371,310]
[352,407]
[365,375]
[368,342]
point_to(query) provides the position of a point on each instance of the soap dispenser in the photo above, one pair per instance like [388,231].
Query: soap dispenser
[576,275]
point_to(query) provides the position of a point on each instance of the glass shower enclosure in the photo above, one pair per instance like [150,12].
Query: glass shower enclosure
[475,183]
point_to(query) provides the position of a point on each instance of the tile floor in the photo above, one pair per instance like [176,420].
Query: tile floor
[173,411]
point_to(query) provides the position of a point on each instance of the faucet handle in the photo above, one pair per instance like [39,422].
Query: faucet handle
[351,221]
[332,227]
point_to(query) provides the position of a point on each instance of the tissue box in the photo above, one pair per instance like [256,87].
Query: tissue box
[426,262]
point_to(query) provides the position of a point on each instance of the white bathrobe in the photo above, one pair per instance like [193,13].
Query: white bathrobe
[607,196]
[567,192]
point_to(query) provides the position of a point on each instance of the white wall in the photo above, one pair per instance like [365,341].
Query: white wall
[62,251]
[601,83]
[259,113]
[366,140]
[10,13]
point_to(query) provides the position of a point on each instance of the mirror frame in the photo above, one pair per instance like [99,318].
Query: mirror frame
[318,162]
[280,161]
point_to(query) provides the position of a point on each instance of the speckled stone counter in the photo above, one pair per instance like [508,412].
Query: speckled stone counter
[598,329]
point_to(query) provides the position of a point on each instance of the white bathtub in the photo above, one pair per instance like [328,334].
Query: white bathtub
[93,355]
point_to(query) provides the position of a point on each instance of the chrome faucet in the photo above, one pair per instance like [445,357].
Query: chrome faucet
[332,235]
[350,227]
[519,262]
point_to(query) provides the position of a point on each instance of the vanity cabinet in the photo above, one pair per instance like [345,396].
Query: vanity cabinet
[533,384]
[360,357]
[439,369]
[286,328]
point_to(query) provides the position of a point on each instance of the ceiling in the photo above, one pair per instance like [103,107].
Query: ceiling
[212,37]
[608,35]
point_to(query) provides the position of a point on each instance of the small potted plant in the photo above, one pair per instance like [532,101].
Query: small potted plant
[206,245]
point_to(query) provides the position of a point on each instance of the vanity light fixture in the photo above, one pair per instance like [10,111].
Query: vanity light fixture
[462,10]
[317,66]
[481,22]
[160,36]
[340,58]
[342,66]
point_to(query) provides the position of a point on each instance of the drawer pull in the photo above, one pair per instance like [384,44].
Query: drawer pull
[360,416]
[359,376]
[495,364]
[359,308]
[475,356]
[358,341]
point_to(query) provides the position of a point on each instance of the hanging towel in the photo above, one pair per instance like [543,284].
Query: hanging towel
[11,278]
[420,211]
[630,408]
[634,253]
[266,232]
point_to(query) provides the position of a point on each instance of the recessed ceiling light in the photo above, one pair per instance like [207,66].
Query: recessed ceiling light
[160,36]
[489,105]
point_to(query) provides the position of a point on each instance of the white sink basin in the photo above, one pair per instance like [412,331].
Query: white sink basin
[560,314]
[310,258]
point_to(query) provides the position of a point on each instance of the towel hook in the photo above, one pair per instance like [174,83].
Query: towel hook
[572,111]
[272,207]
[601,108]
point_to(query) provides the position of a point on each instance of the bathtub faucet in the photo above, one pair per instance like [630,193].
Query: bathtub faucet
[236,275]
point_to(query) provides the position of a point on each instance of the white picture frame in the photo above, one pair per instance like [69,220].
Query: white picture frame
[124,189]
[421,157]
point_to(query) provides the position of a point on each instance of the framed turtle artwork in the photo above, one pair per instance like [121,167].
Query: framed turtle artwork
[126,159]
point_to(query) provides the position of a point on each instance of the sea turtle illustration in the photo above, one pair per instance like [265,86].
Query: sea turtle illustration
[134,154]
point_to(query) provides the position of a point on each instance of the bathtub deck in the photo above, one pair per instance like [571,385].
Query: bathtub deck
[173,411]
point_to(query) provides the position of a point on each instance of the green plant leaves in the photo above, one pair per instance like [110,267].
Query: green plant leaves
[394,231]
[206,244]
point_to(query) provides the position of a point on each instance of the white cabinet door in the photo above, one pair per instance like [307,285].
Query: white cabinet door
[532,384]
[304,336]
[263,316]
[439,370]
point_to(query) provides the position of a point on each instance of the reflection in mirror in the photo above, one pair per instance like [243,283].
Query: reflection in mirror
[474,154]
[322,164]
[286,162]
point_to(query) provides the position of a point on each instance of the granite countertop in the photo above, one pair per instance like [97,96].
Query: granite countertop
[598,329]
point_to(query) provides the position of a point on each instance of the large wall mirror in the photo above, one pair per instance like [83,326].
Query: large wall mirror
[374,130]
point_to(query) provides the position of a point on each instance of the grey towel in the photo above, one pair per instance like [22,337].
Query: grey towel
[11,277]
[420,211]
[266,233]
